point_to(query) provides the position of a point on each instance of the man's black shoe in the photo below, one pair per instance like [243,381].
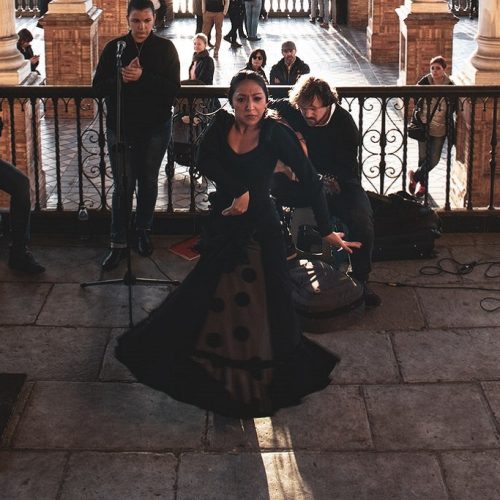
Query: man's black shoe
[113,258]
[23,260]
[371,298]
[144,243]
[227,38]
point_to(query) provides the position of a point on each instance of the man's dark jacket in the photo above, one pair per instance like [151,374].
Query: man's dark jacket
[147,102]
[332,149]
[281,73]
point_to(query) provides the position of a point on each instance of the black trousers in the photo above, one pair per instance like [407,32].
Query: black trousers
[351,206]
[14,182]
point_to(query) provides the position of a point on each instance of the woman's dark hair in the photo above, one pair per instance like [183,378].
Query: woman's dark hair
[25,35]
[438,60]
[308,87]
[140,5]
[246,75]
[255,52]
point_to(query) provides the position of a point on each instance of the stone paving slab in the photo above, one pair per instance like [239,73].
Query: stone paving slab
[21,303]
[449,355]
[63,264]
[336,419]
[130,476]
[480,254]
[30,475]
[112,369]
[310,476]
[52,353]
[439,417]
[492,392]
[102,416]
[98,306]
[409,271]
[472,475]
[400,310]
[365,357]
[457,308]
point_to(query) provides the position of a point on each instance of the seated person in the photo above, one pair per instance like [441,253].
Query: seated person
[14,182]
[24,46]
[288,69]
[331,136]
[257,62]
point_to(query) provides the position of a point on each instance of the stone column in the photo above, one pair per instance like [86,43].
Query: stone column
[382,32]
[20,137]
[113,22]
[357,13]
[426,30]
[474,133]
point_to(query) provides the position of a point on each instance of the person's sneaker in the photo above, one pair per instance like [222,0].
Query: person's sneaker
[420,191]
[371,298]
[412,184]
[25,262]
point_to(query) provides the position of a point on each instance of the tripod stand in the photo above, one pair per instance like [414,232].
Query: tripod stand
[129,278]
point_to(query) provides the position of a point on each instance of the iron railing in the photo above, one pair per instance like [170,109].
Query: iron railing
[67,144]
[464,7]
[27,8]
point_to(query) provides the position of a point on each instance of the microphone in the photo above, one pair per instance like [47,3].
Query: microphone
[120,47]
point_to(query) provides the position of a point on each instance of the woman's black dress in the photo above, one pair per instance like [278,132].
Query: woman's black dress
[228,339]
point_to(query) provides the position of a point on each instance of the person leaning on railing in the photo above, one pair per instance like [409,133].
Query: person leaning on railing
[14,182]
[435,112]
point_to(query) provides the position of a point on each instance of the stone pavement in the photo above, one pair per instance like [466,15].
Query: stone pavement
[413,410]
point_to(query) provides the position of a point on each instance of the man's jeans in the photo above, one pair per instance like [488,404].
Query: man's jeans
[14,182]
[351,206]
[144,152]
[252,9]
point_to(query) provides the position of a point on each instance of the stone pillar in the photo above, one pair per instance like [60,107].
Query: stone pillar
[71,41]
[483,68]
[357,13]
[426,30]
[113,22]
[382,33]
[20,129]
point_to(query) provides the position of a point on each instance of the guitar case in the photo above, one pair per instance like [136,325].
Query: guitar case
[325,298]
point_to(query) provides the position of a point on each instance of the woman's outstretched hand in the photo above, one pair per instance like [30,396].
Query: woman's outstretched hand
[336,240]
[239,205]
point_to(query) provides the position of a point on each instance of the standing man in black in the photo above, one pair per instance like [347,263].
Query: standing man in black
[289,68]
[151,80]
[332,140]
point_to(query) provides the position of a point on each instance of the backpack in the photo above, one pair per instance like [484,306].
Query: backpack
[404,229]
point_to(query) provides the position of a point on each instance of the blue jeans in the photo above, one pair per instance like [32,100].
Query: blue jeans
[426,165]
[252,9]
[14,182]
[144,152]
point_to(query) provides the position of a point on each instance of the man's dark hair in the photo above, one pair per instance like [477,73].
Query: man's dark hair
[25,35]
[246,75]
[308,87]
[140,5]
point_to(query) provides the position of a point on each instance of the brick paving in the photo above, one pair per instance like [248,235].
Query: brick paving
[413,410]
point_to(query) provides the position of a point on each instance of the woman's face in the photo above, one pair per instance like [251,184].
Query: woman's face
[437,71]
[249,103]
[257,61]
[199,45]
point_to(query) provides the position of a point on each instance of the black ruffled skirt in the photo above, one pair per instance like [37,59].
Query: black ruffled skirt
[228,339]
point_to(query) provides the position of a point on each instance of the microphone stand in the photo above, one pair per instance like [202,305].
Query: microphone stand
[129,278]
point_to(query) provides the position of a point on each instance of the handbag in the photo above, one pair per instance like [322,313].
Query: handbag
[417,129]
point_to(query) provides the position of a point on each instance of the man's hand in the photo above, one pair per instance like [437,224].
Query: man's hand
[336,240]
[239,205]
[133,71]
[34,59]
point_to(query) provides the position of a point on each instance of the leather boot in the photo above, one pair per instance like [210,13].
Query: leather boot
[144,243]
[20,259]
[113,258]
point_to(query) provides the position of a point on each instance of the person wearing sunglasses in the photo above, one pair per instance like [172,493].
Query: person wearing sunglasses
[257,62]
